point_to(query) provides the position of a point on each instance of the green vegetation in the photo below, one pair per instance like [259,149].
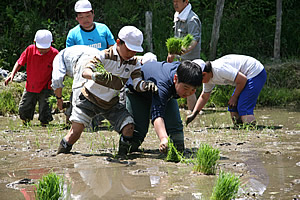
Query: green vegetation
[226,187]
[186,41]
[173,155]
[50,187]
[176,45]
[206,159]
[10,98]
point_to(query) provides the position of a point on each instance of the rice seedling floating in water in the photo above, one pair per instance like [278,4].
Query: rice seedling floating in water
[99,67]
[226,188]
[50,187]
[206,159]
[173,155]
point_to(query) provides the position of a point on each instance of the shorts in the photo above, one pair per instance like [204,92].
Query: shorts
[84,111]
[248,97]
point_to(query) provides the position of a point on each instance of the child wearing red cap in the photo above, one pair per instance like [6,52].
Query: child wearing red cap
[39,58]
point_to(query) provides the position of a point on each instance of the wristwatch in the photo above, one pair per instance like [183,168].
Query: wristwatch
[58,97]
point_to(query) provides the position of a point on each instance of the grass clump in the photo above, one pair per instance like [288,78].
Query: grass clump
[50,187]
[226,188]
[173,155]
[175,45]
[206,159]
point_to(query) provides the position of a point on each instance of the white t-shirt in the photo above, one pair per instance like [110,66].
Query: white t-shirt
[226,68]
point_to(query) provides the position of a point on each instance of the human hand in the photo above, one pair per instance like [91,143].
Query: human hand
[99,77]
[9,79]
[150,86]
[170,58]
[59,103]
[191,117]
[163,146]
[232,102]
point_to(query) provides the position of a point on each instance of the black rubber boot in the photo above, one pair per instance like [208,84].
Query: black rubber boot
[124,145]
[64,147]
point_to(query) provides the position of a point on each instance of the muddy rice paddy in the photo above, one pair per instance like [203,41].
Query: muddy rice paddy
[267,160]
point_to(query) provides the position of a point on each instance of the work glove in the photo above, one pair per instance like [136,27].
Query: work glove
[150,86]
[191,117]
[100,77]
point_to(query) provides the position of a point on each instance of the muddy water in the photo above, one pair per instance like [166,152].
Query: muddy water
[267,160]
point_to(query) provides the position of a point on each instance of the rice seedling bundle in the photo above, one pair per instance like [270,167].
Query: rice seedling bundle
[206,159]
[226,188]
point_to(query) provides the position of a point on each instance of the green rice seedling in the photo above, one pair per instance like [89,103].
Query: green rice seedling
[99,67]
[173,155]
[226,188]
[50,187]
[174,45]
[186,41]
[206,159]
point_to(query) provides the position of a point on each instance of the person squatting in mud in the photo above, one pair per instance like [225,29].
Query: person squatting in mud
[173,80]
[99,95]
[245,73]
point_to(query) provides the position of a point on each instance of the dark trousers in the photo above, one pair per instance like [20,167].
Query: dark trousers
[29,101]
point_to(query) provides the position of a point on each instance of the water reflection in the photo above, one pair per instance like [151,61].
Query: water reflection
[107,183]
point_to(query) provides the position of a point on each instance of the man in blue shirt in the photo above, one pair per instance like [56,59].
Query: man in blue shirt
[173,80]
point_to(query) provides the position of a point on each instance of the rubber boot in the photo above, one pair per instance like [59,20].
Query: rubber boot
[124,145]
[64,147]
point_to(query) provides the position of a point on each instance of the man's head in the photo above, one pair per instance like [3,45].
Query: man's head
[43,40]
[187,78]
[84,14]
[179,5]
[130,40]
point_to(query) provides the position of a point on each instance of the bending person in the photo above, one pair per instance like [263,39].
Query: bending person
[245,73]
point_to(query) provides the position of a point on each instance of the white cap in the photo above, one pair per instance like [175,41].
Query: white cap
[83,6]
[43,39]
[148,57]
[200,62]
[132,37]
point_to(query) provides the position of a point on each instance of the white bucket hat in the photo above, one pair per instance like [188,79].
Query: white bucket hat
[43,39]
[200,62]
[132,37]
[83,6]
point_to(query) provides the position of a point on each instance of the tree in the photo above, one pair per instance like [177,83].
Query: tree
[278,29]
[215,31]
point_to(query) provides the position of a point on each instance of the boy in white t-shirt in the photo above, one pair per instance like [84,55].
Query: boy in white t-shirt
[245,73]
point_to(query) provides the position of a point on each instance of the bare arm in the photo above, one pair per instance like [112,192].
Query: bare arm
[240,82]
[202,100]
[58,94]
[160,129]
[16,68]
[87,73]
[190,48]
